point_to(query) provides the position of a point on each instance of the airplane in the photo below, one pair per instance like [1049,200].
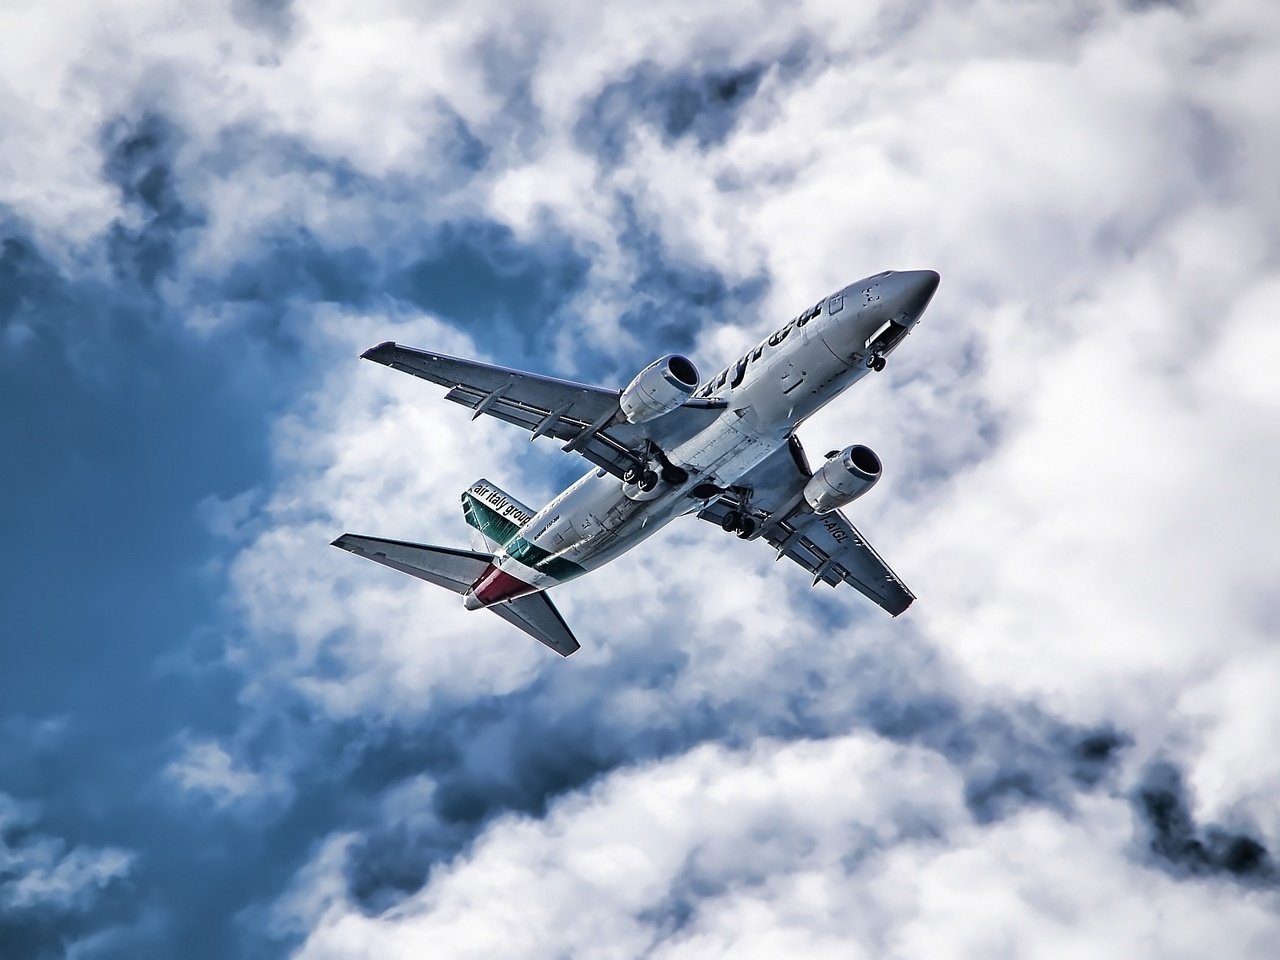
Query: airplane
[668,445]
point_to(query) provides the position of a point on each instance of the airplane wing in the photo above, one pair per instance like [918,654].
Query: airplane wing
[828,546]
[586,418]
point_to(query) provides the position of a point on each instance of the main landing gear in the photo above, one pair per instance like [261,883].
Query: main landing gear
[642,477]
[736,522]
[646,478]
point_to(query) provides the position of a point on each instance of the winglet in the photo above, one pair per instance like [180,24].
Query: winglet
[379,353]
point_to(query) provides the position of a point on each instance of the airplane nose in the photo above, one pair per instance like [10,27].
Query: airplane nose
[908,292]
[918,288]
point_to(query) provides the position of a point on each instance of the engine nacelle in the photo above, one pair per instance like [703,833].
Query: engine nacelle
[843,479]
[659,388]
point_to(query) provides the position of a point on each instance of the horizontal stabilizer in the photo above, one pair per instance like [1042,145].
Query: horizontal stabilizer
[457,570]
[537,616]
[454,570]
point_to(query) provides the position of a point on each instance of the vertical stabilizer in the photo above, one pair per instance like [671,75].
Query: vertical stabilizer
[494,514]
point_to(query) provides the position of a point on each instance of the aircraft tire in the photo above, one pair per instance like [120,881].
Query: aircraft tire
[731,522]
[746,528]
[632,475]
[648,480]
[878,364]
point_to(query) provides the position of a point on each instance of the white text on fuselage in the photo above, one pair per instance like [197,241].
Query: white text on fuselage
[501,505]
[734,373]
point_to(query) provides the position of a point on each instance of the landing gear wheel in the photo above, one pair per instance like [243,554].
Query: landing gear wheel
[731,522]
[648,480]
[877,364]
[632,475]
[746,528]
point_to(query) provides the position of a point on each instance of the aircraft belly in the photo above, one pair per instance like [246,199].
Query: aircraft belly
[585,527]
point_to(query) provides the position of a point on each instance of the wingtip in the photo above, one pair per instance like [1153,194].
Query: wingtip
[376,353]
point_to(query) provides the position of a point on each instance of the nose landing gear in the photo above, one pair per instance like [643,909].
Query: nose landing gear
[876,362]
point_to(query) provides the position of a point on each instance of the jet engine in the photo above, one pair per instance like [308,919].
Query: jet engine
[659,388]
[843,479]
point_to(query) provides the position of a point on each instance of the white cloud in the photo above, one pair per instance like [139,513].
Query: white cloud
[841,848]
[1080,436]
[1080,465]
[205,768]
[39,872]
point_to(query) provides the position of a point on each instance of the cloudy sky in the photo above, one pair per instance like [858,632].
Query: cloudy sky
[220,737]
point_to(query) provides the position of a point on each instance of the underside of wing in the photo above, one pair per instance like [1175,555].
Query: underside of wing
[828,545]
[834,551]
[586,418]
[537,616]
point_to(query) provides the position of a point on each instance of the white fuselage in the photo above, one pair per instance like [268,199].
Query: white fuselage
[769,391]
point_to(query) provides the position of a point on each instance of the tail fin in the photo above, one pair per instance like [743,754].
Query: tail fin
[495,514]
[457,570]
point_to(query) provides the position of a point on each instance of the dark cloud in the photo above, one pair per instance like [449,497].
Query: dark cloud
[274,18]
[520,752]
[1174,840]
[53,893]
[476,274]
[703,108]
[139,160]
